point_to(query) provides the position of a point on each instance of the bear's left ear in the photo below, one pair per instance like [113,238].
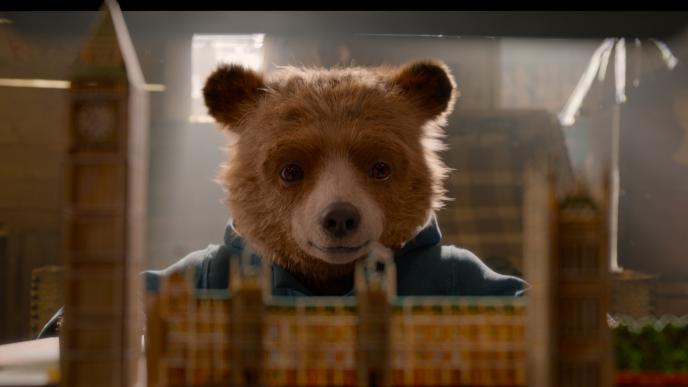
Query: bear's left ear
[430,85]
[230,92]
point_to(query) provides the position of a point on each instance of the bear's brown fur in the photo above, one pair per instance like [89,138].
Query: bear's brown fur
[310,114]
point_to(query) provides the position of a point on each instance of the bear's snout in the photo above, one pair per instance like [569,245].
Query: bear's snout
[340,219]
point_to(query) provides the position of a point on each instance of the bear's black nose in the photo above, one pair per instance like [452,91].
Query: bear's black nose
[340,219]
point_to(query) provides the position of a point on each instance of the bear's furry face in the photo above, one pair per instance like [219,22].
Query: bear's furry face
[329,161]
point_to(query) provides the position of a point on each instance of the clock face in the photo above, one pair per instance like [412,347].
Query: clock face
[96,123]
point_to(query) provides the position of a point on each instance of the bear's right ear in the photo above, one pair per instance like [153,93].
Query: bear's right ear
[230,91]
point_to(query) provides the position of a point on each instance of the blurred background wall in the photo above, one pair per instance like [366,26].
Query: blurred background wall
[513,83]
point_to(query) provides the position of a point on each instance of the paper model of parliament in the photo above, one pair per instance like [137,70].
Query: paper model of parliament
[251,311]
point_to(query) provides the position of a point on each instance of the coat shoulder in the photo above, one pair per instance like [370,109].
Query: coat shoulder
[452,270]
[210,268]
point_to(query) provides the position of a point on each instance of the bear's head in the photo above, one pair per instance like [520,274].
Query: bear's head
[328,161]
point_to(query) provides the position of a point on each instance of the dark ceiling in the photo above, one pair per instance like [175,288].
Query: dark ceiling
[546,24]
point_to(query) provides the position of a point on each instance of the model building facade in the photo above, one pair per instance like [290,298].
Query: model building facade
[372,339]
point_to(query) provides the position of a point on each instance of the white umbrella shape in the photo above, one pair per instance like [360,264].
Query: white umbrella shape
[598,66]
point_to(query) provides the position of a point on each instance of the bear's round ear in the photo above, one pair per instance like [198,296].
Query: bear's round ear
[230,92]
[430,85]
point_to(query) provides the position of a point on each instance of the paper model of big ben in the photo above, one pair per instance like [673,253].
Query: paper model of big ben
[566,245]
[104,209]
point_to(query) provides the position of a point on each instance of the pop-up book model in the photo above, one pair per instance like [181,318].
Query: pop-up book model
[245,336]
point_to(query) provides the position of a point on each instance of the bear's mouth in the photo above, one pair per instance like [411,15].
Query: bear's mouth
[339,249]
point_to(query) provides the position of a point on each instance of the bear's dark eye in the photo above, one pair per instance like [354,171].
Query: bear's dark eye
[380,171]
[291,173]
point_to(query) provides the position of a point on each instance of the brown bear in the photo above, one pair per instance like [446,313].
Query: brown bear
[328,163]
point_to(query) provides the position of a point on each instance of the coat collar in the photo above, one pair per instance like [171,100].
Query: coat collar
[283,283]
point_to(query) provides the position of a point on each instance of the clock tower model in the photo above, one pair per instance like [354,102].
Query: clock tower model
[566,245]
[105,209]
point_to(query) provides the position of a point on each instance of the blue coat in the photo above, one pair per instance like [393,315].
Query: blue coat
[424,267]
